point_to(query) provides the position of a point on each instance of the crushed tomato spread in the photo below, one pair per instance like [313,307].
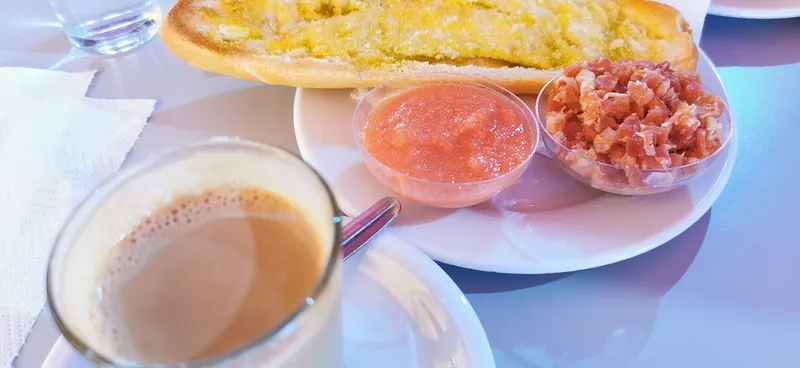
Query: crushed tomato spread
[449,132]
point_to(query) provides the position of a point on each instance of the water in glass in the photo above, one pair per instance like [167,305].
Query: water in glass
[108,26]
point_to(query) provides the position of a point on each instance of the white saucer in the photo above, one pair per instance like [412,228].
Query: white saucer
[546,223]
[400,311]
[756,9]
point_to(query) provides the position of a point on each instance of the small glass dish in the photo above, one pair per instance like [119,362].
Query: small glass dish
[616,179]
[435,193]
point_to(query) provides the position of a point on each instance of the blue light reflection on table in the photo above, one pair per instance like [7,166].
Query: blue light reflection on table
[724,293]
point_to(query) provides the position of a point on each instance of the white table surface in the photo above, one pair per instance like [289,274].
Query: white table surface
[726,293]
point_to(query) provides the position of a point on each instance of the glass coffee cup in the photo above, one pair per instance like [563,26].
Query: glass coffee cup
[223,253]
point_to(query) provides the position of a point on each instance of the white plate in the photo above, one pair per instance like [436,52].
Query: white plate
[756,9]
[545,223]
[400,311]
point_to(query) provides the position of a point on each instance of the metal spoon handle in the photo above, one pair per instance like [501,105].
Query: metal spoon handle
[366,225]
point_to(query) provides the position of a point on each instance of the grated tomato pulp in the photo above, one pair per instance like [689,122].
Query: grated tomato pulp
[449,133]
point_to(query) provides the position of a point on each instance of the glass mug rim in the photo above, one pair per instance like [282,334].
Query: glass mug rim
[110,185]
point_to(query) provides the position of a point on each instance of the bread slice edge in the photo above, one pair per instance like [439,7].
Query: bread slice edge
[181,38]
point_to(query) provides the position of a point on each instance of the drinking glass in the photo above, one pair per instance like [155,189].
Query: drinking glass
[309,337]
[108,26]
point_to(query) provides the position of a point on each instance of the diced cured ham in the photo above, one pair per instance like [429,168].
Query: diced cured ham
[633,115]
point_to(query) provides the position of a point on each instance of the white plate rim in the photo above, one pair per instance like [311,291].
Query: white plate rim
[750,13]
[450,296]
[597,261]
[478,350]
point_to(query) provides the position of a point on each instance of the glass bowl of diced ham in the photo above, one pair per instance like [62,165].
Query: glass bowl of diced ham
[631,127]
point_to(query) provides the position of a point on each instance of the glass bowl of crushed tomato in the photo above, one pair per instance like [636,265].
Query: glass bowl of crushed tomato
[444,140]
[631,127]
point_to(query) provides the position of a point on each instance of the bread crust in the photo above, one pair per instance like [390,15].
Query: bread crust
[183,40]
[683,50]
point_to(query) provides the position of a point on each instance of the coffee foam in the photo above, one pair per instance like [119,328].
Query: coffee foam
[82,271]
[154,232]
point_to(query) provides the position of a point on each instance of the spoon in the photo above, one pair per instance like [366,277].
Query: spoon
[365,226]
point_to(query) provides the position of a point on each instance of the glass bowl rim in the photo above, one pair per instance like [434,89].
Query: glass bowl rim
[447,78]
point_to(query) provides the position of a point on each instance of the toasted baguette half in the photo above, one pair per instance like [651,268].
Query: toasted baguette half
[519,44]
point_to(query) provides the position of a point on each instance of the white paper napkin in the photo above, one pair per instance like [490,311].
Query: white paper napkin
[55,147]
[694,11]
